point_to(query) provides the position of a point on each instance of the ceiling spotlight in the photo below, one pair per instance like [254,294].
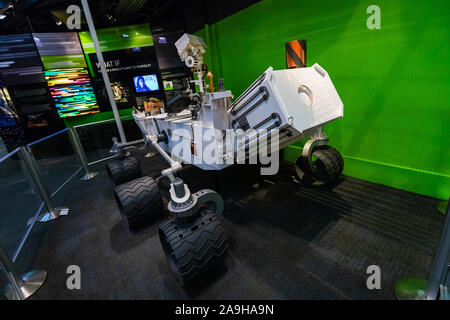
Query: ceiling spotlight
[111,18]
[57,21]
[2,11]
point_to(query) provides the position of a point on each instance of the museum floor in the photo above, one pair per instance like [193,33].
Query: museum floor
[287,241]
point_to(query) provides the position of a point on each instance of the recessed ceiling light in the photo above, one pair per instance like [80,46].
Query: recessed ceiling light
[2,16]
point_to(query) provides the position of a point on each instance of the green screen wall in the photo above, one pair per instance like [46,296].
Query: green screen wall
[118,38]
[394,81]
[63,62]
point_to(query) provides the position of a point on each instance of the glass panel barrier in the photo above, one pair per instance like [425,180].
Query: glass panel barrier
[96,138]
[445,290]
[3,285]
[56,160]
[58,164]
[19,203]
[3,150]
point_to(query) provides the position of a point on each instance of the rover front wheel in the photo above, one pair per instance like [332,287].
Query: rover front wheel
[193,246]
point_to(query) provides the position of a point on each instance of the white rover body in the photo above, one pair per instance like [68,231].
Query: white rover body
[292,103]
[297,102]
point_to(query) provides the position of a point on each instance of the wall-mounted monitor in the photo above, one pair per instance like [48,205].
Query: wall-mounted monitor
[118,38]
[57,44]
[146,83]
[19,60]
[72,92]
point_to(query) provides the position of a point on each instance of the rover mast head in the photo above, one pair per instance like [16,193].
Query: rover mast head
[191,50]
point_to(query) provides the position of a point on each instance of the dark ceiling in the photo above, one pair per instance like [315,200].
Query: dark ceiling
[163,15]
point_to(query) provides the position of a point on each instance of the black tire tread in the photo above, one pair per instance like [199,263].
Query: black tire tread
[329,165]
[139,201]
[196,251]
[123,170]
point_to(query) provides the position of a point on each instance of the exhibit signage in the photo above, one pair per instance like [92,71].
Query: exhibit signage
[125,60]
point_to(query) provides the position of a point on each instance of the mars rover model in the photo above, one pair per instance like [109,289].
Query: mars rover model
[278,109]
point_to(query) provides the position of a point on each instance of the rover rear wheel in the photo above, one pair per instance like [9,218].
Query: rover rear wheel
[123,170]
[328,166]
[139,201]
[193,246]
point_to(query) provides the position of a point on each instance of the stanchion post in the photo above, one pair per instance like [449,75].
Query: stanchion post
[440,267]
[101,61]
[421,289]
[81,155]
[441,206]
[20,286]
[36,178]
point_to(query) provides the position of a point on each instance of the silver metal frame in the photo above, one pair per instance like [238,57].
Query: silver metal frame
[36,179]
[81,155]
[440,267]
[441,206]
[101,61]
[102,160]
[416,288]
[124,118]
[21,286]
[47,137]
[175,166]
[9,155]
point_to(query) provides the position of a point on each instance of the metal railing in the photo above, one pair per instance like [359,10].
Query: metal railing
[30,179]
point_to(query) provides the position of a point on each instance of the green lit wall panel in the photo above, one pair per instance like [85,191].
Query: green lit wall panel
[393,81]
[63,62]
[118,38]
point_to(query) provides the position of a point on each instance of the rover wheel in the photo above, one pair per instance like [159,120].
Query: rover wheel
[123,170]
[139,201]
[328,164]
[193,246]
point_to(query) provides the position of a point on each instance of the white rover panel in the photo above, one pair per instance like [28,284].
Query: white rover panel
[294,101]
[302,98]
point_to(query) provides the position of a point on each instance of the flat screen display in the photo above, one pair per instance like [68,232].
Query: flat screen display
[147,83]
[19,60]
[72,92]
[57,44]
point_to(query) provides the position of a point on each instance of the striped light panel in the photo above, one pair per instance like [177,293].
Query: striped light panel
[72,92]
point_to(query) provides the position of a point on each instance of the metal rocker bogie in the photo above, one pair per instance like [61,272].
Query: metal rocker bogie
[183,204]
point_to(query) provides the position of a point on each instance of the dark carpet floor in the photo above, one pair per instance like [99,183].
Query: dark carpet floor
[287,241]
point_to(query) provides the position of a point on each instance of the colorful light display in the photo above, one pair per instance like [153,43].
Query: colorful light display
[72,92]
